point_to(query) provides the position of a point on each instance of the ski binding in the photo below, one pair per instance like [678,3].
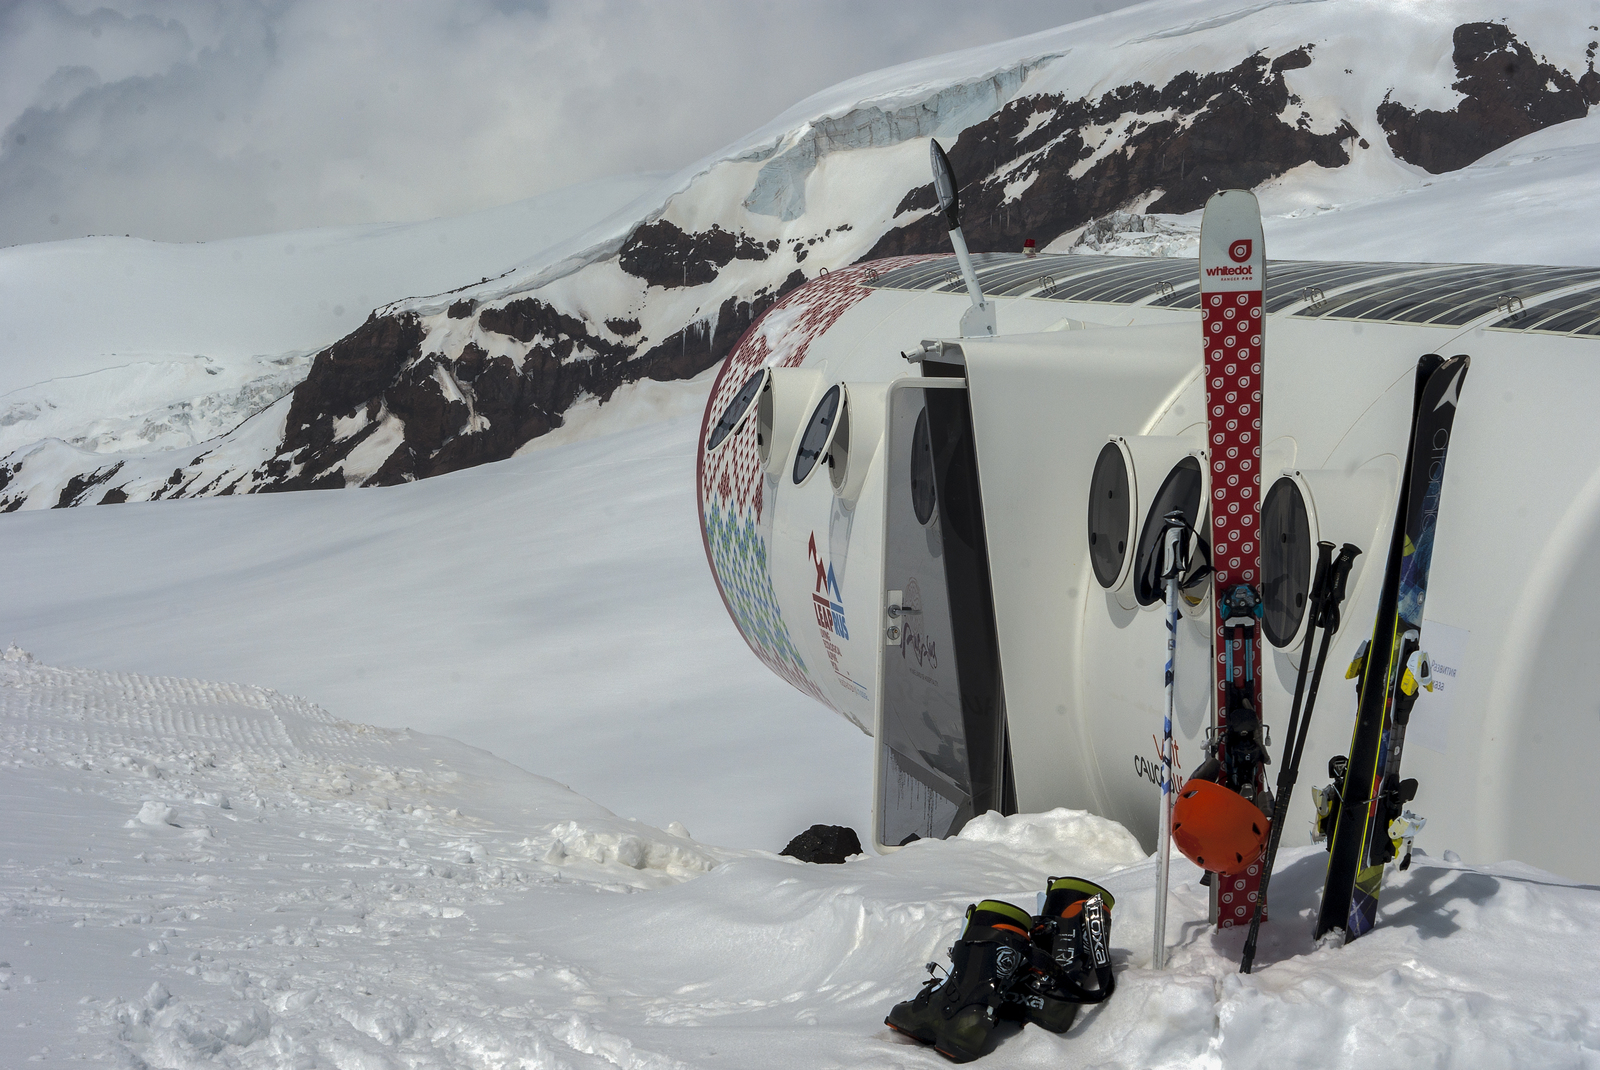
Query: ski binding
[1402,830]
[1358,662]
[1418,674]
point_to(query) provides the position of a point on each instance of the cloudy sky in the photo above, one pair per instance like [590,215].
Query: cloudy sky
[185,120]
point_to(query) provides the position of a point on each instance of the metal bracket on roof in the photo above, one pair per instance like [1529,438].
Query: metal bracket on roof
[1510,304]
[1313,297]
[940,350]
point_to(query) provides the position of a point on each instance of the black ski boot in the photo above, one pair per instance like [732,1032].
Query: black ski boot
[957,1015]
[1071,957]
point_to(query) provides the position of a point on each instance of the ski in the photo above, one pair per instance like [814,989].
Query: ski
[1369,798]
[1232,284]
[1327,595]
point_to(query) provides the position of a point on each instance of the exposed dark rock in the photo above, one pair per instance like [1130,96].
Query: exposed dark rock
[477,408]
[397,469]
[686,353]
[1293,61]
[470,364]
[461,309]
[530,320]
[517,402]
[333,480]
[275,469]
[663,255]
[114,496]
[1233,134]
[348,373]
[417,396]
[474,408]
[78,487]
[1509,94]
[918,199]
[826,844]
[349,376]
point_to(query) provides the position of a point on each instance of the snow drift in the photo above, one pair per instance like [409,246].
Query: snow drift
[206,875]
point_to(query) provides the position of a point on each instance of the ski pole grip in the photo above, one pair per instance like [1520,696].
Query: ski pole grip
[1320,576]
[1173,555]
[1341,571]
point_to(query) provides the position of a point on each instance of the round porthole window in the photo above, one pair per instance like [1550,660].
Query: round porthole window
[1285,562]
[838,456]
[819,429]
[1180,491]
[734,414]
[923,494]
[1109,513]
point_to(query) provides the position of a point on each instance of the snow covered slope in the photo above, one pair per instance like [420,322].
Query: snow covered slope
[1354,119]
[214,875]
[115,344]
[553,608]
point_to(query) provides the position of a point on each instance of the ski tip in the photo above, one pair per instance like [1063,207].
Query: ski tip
[1236,195]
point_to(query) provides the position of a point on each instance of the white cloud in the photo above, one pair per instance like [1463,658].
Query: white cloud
[195,119]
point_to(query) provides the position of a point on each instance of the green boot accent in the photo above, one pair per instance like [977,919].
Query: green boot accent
[1071,946]
[957,1015]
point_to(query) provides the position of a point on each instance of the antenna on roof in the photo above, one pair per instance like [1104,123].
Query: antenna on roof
[979,319]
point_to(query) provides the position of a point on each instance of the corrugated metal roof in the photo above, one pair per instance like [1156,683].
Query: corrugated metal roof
[1547,300]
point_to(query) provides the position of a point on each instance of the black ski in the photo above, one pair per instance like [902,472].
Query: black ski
[1327,595]
[1370,795]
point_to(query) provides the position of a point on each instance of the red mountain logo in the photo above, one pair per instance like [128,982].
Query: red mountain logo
[1240,250]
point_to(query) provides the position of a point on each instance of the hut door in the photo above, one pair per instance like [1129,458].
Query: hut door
[942,750]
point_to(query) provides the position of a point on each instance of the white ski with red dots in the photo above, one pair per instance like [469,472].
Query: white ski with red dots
[1232,286]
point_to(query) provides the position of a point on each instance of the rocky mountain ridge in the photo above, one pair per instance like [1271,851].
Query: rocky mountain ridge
[1045,146]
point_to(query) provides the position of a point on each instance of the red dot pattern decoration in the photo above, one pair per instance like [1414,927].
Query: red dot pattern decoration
[1236,897]
[1231,323]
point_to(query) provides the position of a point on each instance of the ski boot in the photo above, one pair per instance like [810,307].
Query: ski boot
[956,1015]
[1071,945]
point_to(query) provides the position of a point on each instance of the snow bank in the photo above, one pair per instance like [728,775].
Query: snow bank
[216,875]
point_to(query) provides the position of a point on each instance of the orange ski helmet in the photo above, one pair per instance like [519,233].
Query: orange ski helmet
[1218,829]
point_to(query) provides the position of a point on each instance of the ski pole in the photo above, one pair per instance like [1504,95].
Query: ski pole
[1174,530]
[1285,772]
[1327,594]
